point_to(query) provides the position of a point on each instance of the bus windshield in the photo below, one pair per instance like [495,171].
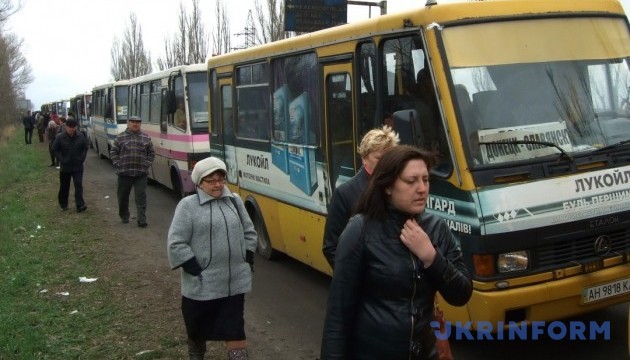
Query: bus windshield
[541,90]
[198,100]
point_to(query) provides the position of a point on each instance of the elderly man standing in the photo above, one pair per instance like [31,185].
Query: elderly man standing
[132,155]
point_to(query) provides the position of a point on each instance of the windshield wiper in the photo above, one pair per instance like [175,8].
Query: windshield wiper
[612,146]
[532,142]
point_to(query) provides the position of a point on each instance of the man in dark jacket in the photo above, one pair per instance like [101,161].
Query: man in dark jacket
[29,124]
[344,198]
[71,148]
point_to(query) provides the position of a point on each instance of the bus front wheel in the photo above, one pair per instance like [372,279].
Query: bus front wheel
[98,151]
[264,244]
[178,187]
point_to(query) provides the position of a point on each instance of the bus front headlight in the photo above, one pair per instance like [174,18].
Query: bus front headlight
[512,261]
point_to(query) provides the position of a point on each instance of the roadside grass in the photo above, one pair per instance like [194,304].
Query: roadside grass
[45,311]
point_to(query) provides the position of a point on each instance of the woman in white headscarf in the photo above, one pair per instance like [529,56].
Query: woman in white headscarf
[213,240]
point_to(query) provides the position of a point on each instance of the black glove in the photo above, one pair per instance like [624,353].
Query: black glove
[192,267]
[249,258]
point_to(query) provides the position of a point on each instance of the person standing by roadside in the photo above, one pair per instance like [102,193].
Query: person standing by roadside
[71,148]
[132,155]
[213,240]
[41,125]
[374,143]
[55,118]
[61,126]
[29,124]
[51,134]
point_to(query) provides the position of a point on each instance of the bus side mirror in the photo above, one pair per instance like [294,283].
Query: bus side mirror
[406,124]
[169,100]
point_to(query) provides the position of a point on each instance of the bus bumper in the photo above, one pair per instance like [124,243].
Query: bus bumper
[551,300]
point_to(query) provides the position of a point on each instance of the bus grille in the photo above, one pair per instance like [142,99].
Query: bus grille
[568,252]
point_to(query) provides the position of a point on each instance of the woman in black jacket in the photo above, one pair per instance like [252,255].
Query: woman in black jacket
[392,258]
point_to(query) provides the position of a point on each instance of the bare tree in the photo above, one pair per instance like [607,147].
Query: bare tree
[221,35]
[189,45]
[270,21]
[197,36]
[8,94]
[15,71]
[175,48]
[7,8]
[129,58]
[20,69]
[117,64]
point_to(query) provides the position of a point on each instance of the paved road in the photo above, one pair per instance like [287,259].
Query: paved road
[285,310]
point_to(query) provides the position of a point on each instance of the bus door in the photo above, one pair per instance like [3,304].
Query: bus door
[222,129]
[340,144]
[162,146]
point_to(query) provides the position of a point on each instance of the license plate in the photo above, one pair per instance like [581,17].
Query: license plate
[604,291]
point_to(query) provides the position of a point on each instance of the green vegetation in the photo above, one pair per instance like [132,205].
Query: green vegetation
[45,311]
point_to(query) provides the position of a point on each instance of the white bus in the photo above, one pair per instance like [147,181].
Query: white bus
[173,106]
[109,115]
[61,107]
[80,105]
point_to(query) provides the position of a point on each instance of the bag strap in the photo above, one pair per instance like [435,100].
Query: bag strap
[238,212]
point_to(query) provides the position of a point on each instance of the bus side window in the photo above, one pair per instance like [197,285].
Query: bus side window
[252,102]
[367,116]
[179,117]
[339,118]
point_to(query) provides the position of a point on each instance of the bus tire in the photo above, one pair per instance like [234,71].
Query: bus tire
[177,185]
[264,247]
[98,151]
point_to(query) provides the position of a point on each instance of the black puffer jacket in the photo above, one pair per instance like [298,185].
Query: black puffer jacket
[381,297]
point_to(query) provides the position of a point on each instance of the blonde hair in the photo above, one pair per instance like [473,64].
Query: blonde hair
[378,139]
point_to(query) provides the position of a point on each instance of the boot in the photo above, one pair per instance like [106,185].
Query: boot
[237,354]
[196,350]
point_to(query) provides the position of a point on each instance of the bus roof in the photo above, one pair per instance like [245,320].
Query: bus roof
[165,73]
[440,14]
[110,84]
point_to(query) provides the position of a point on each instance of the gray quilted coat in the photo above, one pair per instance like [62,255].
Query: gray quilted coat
[211,230]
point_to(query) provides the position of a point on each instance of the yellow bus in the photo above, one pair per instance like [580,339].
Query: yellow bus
[526,102]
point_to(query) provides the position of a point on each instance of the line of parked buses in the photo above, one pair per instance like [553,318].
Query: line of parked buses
[532,129]
[174,111]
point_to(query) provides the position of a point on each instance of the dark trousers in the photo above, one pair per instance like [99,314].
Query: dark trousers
[40,133]
[139,185]
[28,135]
[64,188]
[53,158]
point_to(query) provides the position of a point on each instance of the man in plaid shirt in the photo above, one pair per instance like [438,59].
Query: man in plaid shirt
[132,155]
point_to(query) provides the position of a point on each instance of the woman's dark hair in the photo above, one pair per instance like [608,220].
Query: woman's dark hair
[373,201]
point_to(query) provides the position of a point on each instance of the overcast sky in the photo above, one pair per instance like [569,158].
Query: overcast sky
[68,42]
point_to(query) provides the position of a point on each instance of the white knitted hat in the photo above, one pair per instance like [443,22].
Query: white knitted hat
[206,167]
